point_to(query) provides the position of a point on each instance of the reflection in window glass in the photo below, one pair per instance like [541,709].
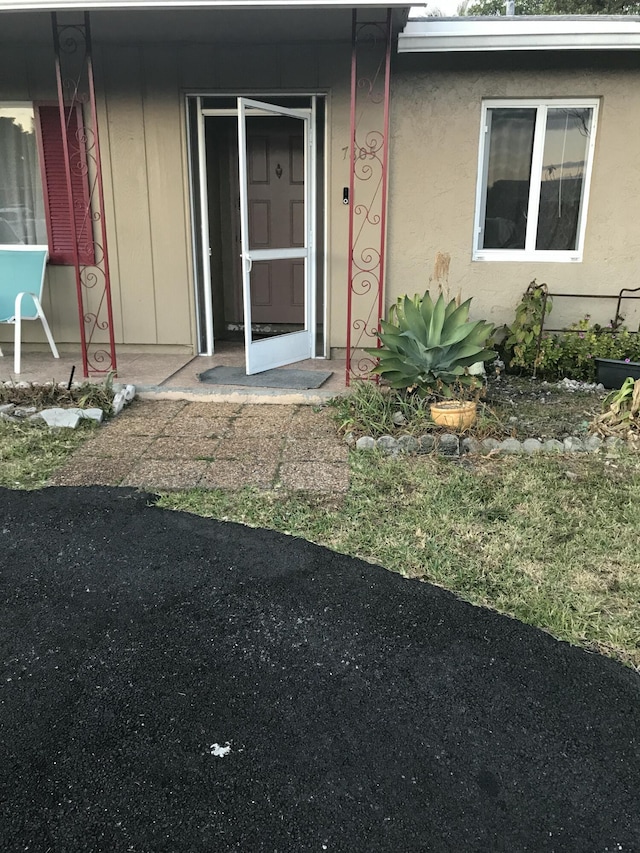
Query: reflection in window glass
[566,145]
[22,218]
[511,134]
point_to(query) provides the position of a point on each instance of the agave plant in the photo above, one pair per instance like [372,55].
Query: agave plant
[430,346]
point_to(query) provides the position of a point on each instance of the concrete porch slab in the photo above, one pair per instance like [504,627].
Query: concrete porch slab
[159,376]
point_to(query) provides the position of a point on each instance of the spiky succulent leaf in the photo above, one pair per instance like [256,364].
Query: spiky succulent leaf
[434,333]
[413,319]
[426,309]
[456,317]
[430,344]
[451,307]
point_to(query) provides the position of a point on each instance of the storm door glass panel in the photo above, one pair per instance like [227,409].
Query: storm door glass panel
[508,181]
[22,218]
[566,146]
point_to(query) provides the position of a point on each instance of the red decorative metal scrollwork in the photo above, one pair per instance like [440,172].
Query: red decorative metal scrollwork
[76,98]
[369,154]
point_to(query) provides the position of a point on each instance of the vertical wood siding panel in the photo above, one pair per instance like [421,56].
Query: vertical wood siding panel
[13,74]
[109,205]
[124,80]
[61,305]
[41,72]
[256,68]
[299,66]
[198,68]
[335,75]
[168,205]
[233,68]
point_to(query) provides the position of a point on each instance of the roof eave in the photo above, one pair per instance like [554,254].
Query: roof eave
[519,34]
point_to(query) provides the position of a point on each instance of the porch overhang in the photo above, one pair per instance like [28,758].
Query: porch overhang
[520,33]
[138,5]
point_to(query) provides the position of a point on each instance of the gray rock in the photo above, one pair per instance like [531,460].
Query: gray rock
[24,411]
[573,444]
[60,418]
[613,442]
[510,445]
[349,439]
[408,444]
[118,402]
[593,443]
[427,443]
[365,443]
[571,475]
[490,444]
[7,408]
[448,444]
[387,444]
[532,445]
[129,393]
[93,414]
[399,419]
[552,445]
[513,419]
[470,445]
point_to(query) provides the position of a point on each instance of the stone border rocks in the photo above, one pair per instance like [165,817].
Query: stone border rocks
[57,417]
[451,445]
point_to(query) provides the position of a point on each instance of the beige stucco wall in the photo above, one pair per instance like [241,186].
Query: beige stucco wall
[435,123]
[140,89]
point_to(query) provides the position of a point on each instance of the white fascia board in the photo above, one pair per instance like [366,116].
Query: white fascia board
[437,35]
[137,5]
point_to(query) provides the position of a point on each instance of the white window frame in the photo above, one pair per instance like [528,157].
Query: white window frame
[530,253]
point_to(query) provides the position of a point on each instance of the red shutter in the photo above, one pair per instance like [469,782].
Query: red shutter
[54,179]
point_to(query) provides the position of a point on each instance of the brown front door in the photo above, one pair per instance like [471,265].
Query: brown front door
[275,190]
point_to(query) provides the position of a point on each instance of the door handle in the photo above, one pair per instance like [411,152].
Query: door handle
[247,260]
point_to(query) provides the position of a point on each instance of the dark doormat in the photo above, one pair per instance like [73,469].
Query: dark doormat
[280,377]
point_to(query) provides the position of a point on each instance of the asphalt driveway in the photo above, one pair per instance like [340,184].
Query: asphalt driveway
[178,684]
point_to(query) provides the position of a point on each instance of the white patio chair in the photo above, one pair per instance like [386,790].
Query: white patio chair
[22,275]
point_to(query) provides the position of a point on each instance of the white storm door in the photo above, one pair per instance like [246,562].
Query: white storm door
[277,213]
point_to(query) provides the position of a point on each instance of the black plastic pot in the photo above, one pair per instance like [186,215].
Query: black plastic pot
[612,372]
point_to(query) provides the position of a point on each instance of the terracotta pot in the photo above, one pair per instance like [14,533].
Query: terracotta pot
[454,414]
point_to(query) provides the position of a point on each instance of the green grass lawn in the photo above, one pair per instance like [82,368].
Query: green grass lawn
[551,541]
[29,453]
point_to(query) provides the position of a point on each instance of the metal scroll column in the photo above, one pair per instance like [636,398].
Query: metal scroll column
[369,156]
[76,95]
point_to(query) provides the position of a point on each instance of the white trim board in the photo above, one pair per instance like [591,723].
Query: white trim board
[131,5]
[437,35]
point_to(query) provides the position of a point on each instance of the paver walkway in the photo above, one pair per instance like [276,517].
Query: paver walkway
[181,445]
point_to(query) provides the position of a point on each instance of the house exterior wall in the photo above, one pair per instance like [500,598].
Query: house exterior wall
[140,90]
[435,129]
